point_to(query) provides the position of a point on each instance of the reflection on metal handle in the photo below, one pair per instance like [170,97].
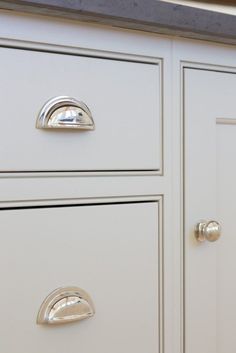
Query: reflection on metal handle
[65,113]
[207,230]
[65,305]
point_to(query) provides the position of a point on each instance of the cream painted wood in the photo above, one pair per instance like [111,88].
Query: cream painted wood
[210,314]
[28,29]
[202,55]
[127,132]
[23,189]
[109,250]
[31,189]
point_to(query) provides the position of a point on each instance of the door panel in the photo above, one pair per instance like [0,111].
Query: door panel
[226,257]
[210,191]
[111,251]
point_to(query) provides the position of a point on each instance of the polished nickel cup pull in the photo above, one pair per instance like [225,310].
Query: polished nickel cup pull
[65,305]
[65,113]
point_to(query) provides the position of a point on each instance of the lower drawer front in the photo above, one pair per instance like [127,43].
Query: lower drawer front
[111,251]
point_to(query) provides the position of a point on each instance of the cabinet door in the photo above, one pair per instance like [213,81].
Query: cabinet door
[111,251]
[210,194]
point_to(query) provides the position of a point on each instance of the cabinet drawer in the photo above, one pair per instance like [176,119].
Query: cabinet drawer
[111,251]
[123,97]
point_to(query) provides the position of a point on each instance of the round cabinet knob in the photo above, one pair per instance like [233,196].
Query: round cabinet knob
[207,230]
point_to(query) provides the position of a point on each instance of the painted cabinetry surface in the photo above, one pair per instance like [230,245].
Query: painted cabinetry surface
[210,174]
[112,210]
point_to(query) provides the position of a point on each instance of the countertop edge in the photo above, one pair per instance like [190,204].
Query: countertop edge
[150,16]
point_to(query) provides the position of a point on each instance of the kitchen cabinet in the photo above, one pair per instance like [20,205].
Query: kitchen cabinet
[81,225]
[111,209]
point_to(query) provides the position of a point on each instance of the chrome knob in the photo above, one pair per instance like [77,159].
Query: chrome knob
[208,230]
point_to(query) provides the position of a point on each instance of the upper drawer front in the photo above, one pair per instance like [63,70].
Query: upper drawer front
[123,96]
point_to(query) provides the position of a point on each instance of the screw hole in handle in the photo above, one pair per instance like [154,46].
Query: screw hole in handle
[64,112]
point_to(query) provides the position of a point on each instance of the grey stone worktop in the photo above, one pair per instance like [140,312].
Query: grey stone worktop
[147,15]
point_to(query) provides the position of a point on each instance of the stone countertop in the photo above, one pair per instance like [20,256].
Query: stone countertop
[146,15]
